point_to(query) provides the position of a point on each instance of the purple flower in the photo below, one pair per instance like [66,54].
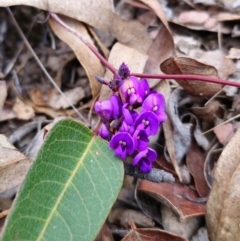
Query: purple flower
[144,159]
[123,71]
[128,90]
[141,140]
[104,132]
[155,102]
[129,114]
[147,121]
[104,109]
[144,89]
[116,106]
[123,144]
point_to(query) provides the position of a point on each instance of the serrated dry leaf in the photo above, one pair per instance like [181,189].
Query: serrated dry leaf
[223,207]
[13,165]
[86,57]
[184,65]
[98,14]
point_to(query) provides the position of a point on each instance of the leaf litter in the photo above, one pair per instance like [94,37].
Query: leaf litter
[150,37]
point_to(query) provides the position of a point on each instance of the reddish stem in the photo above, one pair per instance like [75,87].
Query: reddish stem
[187,77]
[85,41]
[150,76]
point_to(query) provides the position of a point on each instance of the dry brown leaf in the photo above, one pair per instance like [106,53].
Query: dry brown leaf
[122,217]
[98,14]
[161,49]
[195,163]
[163,46]
[184,65]
[226,131]
[23,110]
[173,196]
[216,58]
[164,88]
[147,234]
[184,228]
[13,165]
[121,53]
[223,207]
[86,57]
[57,101]
[3,94]
[233,54]
[193,17]
[156,7]
[105,234]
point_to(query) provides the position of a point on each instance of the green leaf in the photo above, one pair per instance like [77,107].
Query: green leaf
[69,189]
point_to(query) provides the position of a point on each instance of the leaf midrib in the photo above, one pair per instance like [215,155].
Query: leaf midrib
[64,189]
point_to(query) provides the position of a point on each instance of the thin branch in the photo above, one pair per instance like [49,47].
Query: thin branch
[187,77]
[41,65]
[85,41]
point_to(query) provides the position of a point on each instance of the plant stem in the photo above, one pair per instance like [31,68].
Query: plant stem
[187,77]
[85,41]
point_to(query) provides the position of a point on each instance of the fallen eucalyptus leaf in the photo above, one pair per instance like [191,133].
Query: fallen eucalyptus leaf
[86,57]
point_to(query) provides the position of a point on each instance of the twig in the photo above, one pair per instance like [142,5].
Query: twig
[155,175]
[187,77]
[41,65]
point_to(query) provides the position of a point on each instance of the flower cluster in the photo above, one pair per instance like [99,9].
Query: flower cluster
[130,116]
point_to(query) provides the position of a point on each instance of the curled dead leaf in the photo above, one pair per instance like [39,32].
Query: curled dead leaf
[222,214]
[184,65]
[173,196]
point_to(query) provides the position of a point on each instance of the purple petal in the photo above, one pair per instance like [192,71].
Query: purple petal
[144,159]
[144,89]
[120,152]
[129,115]
[124,127]
[128,87]
[104,132]
[141,140]
[142,145]
[155,102]
[115,140]
[123,137]
[151,155]
[104,108]
[138,157]
[117,106]
[148,121]
[145,165]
